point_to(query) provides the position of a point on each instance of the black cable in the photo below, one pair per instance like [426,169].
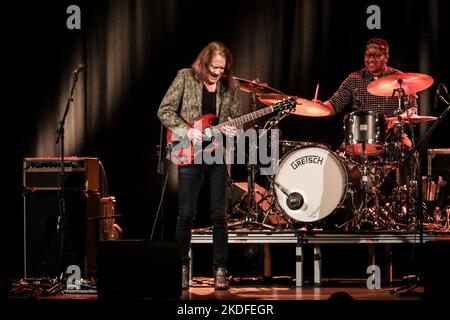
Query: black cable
[161,200]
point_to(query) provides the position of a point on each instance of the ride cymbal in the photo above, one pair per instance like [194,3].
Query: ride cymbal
[410,82]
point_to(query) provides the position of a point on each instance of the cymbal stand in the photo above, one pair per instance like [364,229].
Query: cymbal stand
[252,206]
[403,198]
[272,123]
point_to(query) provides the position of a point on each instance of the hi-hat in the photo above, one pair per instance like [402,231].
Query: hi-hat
[414,119]
[303,107]
[250,86]
[409,82]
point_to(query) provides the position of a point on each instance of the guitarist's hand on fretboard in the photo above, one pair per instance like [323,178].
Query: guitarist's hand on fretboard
[229,131]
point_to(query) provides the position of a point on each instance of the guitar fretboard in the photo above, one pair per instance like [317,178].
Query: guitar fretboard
[256,114]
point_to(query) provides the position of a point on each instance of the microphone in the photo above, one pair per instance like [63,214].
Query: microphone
[438,93]
[294,201]
[437,96]
[80,68]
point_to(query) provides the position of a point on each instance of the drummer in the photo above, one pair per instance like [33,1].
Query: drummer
[353,93]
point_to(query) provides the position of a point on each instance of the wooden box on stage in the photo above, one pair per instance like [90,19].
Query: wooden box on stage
[437,186]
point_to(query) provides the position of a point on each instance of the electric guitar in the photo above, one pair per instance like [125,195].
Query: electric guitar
[183,152]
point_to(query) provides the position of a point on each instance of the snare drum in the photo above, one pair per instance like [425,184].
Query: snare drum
[364,133]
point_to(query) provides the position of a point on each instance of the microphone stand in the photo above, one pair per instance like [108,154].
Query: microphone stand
[417,147]
[160,172]
[61,194]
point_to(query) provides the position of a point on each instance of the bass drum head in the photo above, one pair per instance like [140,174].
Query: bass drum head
[318,175]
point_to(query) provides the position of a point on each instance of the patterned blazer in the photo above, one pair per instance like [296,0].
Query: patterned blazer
[182,102]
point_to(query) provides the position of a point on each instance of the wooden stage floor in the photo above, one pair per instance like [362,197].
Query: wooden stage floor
[348,297]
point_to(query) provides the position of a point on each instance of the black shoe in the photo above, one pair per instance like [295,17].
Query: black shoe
[185,277]
[221,279]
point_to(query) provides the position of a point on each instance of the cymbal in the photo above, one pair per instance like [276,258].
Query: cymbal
[259,88]
[414,119]
[410,82]
[304,107]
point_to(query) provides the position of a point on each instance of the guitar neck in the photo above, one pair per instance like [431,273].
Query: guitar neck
[246,118]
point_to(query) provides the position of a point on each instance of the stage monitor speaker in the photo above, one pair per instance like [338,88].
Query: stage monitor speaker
[138,269]
[436,260]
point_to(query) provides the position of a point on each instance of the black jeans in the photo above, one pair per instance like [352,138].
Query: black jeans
[190,179]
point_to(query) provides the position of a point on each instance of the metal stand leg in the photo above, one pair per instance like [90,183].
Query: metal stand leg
[371,254]
[388,252]
[267,261]
[299,265]
[317,264]
[191,263]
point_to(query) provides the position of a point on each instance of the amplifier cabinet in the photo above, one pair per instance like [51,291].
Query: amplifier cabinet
[42,195]
[44,173]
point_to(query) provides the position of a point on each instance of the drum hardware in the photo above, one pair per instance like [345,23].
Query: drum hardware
[403,209]
[256,89]
[399,85]
[373,216]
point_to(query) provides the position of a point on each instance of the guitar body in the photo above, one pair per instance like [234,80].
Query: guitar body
[183,151]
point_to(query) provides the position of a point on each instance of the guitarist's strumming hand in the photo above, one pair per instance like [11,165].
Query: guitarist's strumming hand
[195,135]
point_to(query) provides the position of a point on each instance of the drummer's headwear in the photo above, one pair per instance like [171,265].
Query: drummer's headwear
[378,43]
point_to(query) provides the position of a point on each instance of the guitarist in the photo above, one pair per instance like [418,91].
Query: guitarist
[207,87]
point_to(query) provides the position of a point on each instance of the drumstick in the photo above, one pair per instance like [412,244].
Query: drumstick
[317,91]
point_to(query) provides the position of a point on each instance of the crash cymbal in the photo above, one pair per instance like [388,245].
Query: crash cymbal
[414,119]
[304,107]
[410,82]
[259,88]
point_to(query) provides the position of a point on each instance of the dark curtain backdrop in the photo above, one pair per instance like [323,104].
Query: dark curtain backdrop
[133,49]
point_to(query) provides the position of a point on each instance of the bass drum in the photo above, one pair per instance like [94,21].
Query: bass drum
[313,184]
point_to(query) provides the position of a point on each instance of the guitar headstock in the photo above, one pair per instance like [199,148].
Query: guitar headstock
[285,104]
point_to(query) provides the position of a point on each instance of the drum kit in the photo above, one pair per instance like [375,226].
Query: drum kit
[318,188]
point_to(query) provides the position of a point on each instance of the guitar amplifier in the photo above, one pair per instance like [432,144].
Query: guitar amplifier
[44,173]
[42,241]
